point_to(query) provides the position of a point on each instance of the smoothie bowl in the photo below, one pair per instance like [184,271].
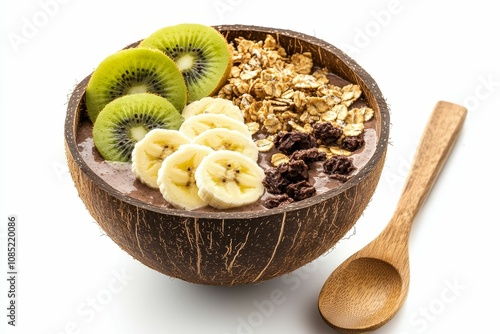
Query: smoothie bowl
[318,129]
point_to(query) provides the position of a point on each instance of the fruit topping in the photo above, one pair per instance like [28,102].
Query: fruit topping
[134,71]
[228,179]
[176,177]
[149,153]
[126,120]
[200,52]
[196,125]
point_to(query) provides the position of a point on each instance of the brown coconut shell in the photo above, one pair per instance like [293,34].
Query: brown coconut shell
[230,248]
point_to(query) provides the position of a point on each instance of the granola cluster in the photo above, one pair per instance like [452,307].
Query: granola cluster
[280,92]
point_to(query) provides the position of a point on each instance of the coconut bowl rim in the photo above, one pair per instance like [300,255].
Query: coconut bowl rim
[78,94]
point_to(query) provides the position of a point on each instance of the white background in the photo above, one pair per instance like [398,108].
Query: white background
[74,279]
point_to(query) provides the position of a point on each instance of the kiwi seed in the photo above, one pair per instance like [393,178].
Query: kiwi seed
[200,52]
[133,71]
[127,119]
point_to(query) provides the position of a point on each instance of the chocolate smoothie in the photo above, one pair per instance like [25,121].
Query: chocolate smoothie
[120,176]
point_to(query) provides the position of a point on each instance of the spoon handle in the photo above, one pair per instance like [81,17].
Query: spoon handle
[440,134]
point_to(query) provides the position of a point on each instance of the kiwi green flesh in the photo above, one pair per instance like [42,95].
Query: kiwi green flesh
[133,71]
[200,52]
[127,119]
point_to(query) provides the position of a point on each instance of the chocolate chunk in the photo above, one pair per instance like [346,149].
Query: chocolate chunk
[278,200]
[289,142]
[338,165]
[277,179]
[327,132]
[300,190]
[274,182]
[352,143]
[309,155]
[294,171]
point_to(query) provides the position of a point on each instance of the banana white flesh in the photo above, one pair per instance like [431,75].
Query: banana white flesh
[213,105]
[197,124]
[176,177]
[228,179]
[149,153]
[231,140]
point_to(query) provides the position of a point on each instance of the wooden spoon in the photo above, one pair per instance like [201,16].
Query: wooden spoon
[367,290]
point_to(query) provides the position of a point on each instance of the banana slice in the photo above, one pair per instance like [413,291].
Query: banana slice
[176,177]
[231,140]
[197,124]
[213,105]
[228,179]
[149,153]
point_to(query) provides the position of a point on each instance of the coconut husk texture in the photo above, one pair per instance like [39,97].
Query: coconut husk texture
[222,248]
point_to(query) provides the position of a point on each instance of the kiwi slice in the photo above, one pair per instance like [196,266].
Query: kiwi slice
[200,52]
[132,71]
[126,120]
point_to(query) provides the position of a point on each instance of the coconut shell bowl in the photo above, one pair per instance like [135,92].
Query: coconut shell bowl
[229,248]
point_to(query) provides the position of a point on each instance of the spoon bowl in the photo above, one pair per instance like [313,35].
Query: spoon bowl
[382,288]
[369,288]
